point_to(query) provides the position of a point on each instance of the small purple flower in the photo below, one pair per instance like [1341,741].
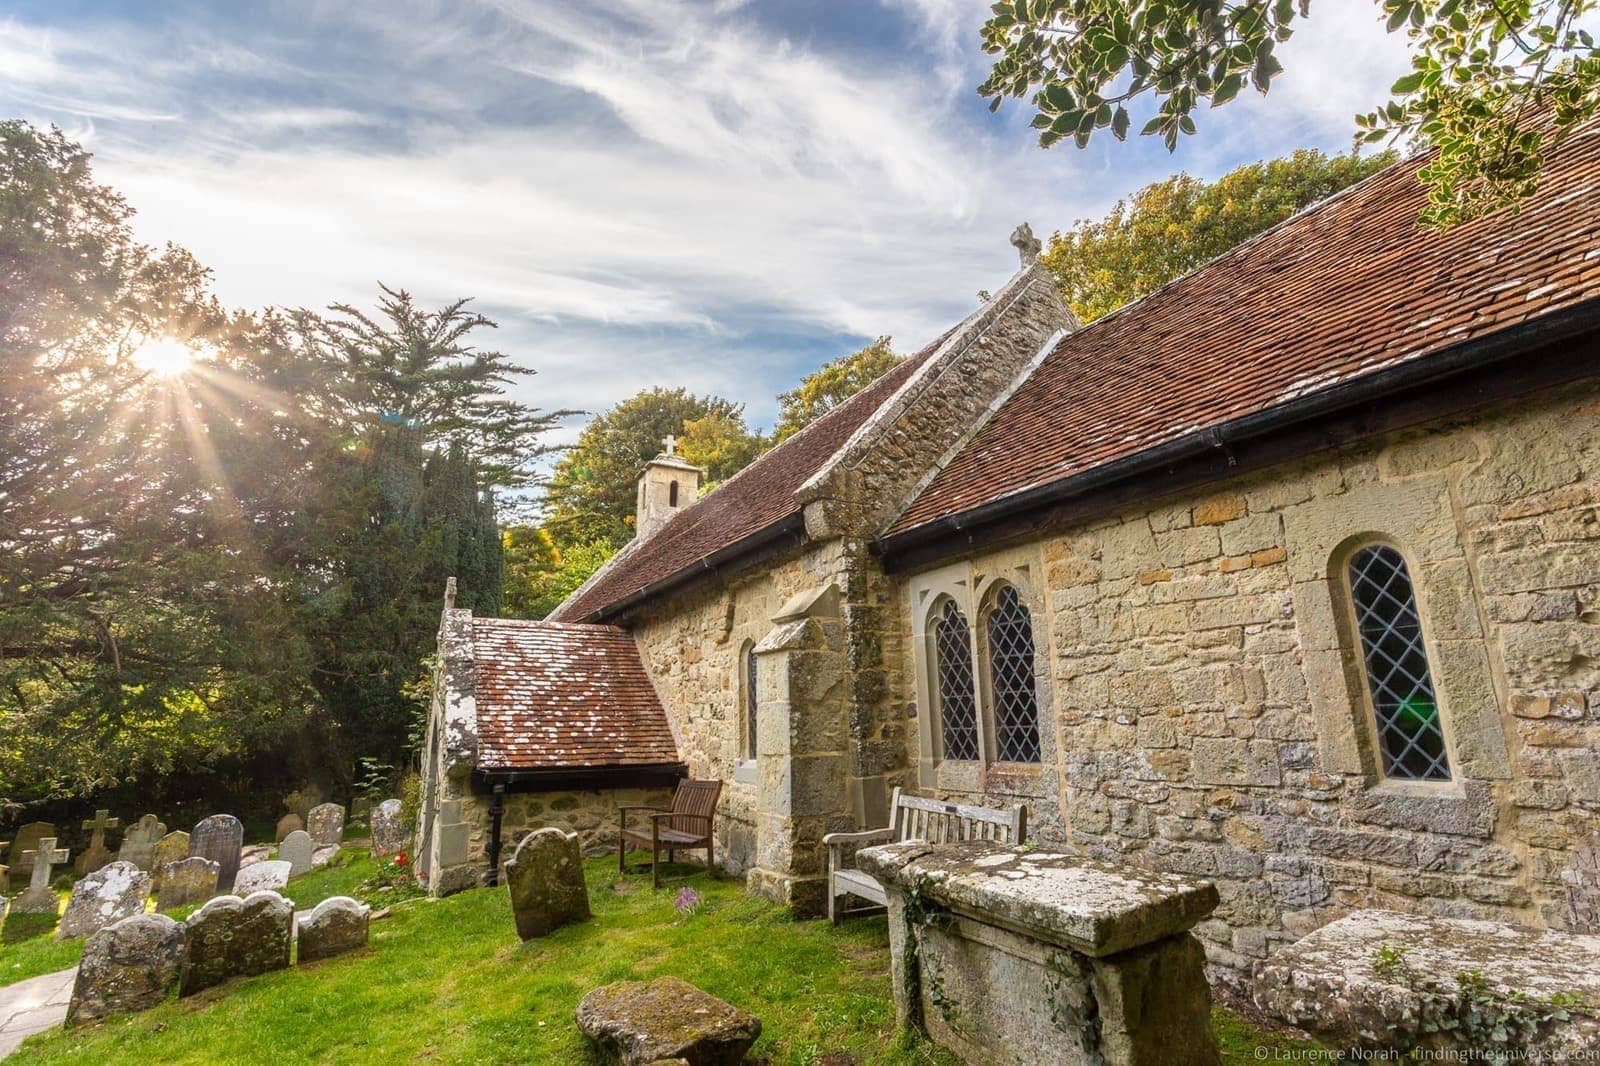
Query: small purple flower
[688,900]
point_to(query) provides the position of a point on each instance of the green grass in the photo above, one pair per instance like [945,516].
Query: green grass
[447,980]
[28,946]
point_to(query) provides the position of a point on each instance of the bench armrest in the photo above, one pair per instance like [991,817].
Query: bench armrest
[866,836]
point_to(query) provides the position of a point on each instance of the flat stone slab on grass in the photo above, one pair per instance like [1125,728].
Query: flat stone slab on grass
[1093,907]
[115,891]
[270,874]
[130,966]
[334,926]
[633,1023]
[1329,982]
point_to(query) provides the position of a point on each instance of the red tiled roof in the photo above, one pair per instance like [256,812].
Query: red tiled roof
[760,495]
[1344,289]
[564,696]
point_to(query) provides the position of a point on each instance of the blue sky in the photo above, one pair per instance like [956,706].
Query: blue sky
[719,195]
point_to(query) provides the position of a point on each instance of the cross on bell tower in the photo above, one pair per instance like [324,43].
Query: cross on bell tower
[671,443]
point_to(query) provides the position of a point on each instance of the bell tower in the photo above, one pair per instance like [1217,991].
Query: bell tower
[668,485]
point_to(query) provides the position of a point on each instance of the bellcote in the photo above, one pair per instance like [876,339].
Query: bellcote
[668,484]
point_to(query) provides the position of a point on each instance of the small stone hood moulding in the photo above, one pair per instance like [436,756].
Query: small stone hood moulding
[812,603]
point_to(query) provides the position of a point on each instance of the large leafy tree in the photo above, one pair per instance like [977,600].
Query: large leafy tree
[539,576]
[1493,84]
[1170,227]
[830,385]
[590,497]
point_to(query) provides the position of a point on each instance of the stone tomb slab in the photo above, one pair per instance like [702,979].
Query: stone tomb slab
[269,875]
[115,891]
[1330,983]
[231,937]
[219,838]
[1011,956]
[126,967]
[545,876]
[634,1023]
[334,926]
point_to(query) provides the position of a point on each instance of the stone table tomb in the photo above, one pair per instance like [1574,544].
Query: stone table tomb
[1014,957]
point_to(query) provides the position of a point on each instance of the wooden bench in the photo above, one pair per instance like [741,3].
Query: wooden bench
[913,818]
[689,824]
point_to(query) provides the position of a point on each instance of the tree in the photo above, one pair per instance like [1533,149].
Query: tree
[719,441]
[590,497]
[1493,85]
[833,383]
[1170,227]
[539,576]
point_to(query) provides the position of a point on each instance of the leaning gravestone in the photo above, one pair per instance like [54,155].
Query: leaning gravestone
[546,879]
[286,825]
[126,967]
[326,823]
[334,926]
[139,842]
[296,851]
[26,840]
[115,891]
[262,876]
[40,897]
[388,831]
[232,937]
[96,854]
[192,880]
[169,849]
[220,839]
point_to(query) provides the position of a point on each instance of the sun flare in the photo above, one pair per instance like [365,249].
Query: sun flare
[164,357]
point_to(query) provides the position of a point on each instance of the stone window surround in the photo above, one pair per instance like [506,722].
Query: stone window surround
[973,586]
[1417,517]
[744,634]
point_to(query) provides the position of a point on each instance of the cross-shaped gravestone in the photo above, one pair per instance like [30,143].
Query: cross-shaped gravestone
[40,899]
[99,824]
[672,444]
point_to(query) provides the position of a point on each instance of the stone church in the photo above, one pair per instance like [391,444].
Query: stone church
[1286,575]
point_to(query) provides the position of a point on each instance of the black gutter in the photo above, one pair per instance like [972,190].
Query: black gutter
[580,778]
[953,534]
[791,525]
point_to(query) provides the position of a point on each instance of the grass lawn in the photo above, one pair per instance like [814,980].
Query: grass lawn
[448,981]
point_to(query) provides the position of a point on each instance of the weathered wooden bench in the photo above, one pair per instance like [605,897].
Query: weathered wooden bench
[913,818]
[688,825]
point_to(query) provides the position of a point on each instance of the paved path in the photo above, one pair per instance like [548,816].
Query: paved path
[32,1006]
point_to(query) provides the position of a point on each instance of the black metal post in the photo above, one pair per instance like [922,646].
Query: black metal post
[496,809]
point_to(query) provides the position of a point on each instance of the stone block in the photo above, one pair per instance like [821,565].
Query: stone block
[126,967]
[334,926]
[632,1023]
[1219,509]
[1234,762]
[545,876]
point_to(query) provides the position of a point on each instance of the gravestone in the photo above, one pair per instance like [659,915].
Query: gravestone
[633,1022]
[388,831]
[139,842]
[270,875]
[323,854]
[296,851]
[127,967]
[169,849]
[220,839]
[286,825]
[301,800]
[40,897]
[546,879]
[191,880]
[232,937]
[334,926]
[96,854]
[326,823]
[103,898]
[26,840]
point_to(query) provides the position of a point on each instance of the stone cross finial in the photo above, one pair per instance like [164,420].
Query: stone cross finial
[46,856]
[672,444]
[1026,244]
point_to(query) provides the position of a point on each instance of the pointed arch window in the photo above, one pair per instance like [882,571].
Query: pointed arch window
[958,711]
[750,701]
[1410,733]
[1014,694]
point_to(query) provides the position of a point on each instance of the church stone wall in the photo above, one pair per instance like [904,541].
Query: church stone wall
[1208,715]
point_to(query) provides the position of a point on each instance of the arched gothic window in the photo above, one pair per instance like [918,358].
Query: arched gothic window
[958,712]
[1015,697]
[750,702]
[1410,733]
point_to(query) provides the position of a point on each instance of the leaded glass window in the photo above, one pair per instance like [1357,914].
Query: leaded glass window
[1410,734]
[750,703]
[958,711]
[1016,698]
